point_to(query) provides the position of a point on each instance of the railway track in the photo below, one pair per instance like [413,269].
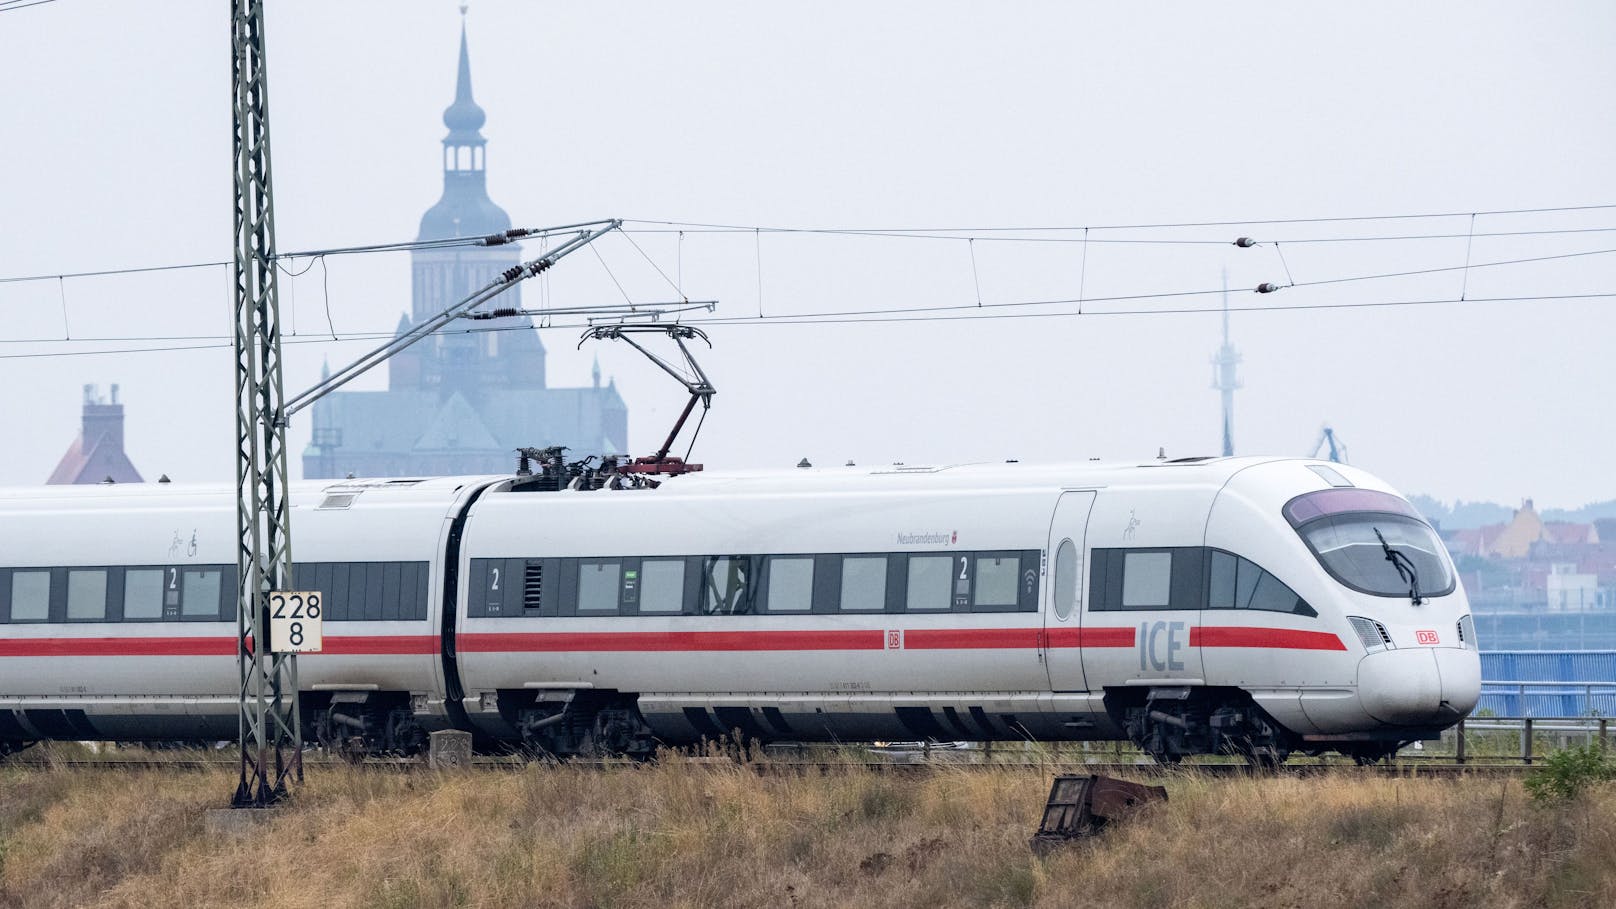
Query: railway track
[800,767]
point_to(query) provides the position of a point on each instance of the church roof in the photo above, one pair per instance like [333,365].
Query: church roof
[420,422]
[92,461]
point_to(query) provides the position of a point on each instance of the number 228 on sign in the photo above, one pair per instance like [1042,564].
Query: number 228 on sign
[295,624]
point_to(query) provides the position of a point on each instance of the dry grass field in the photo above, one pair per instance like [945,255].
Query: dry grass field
[684,834]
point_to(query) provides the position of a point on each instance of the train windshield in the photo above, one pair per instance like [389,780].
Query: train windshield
[1372,542]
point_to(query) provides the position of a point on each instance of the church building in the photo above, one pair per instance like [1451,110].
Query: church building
[462,402]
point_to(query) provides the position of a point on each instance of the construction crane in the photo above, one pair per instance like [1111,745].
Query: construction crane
[1328,442]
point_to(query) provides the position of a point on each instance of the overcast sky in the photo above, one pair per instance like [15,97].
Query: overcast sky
[116,152]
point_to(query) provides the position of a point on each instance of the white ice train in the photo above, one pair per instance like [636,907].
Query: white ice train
[1254,605]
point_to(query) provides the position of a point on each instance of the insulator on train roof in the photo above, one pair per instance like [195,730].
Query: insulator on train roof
[1267,287]
[1245,243]
[804,464]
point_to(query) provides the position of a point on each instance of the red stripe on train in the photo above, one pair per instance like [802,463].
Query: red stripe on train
[1091,637]
[384,645]
[74,647]
[1278,638]
[665,641]
[684,641]
[1011,638]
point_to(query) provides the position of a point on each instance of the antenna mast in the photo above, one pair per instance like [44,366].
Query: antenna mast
[1223,374]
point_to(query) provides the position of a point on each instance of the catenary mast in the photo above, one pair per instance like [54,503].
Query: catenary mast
[271,736]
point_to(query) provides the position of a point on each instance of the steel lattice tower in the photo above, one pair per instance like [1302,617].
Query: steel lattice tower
[270,727]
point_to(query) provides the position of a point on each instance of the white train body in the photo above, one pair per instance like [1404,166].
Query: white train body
[1222,604]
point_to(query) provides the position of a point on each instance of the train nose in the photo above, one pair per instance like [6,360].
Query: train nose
[1425,686]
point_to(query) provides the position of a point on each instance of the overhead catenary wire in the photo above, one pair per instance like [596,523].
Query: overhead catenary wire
[671,283]
[920,234]
[834,317]
[891,317]
[940,234]
[1080,300]
[510,236]
[1137,226]
[13,5]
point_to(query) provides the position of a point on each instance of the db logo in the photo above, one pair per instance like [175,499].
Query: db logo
[894,640]
[1425,637]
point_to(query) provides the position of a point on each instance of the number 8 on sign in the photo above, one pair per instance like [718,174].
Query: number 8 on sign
[295,624]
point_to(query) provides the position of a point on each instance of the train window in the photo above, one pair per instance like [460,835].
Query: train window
[997,574]
[864,583]
[354,602]
[1272,595]
[1147,580]
[200,596]
[87,596]
[1066,575]
[392,596]
[662,586]
[30,596]
[1245,583]
[598,583]
[791,583]
[1237,583]
[1221,581]
[725,589]
[143,593]
[930,579]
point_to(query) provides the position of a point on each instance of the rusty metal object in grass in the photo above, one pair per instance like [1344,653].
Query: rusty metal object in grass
[1082,806]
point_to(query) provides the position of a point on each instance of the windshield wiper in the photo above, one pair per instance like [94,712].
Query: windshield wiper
[1404,566]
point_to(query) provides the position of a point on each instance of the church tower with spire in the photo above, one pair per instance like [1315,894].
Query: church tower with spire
[501,354]
[461,401]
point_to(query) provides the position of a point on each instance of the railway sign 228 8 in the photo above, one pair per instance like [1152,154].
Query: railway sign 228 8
[295,621]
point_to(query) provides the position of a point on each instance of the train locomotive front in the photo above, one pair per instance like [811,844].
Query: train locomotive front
[1329,605]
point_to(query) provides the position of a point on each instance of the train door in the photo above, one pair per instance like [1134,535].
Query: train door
[1063,615]
[1144,590]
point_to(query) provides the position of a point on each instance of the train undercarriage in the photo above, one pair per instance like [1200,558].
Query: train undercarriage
[1170,724]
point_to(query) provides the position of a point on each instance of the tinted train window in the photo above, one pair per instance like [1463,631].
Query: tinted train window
[201,594]
[30,596]
[1238,583]
[997,575]
[724,586]
[87,596]
[864,583]
[143,593]
[597,586]
[1067,572]
[931,580]
[368,591]
[791,584]
[1147,580]
[662,585]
